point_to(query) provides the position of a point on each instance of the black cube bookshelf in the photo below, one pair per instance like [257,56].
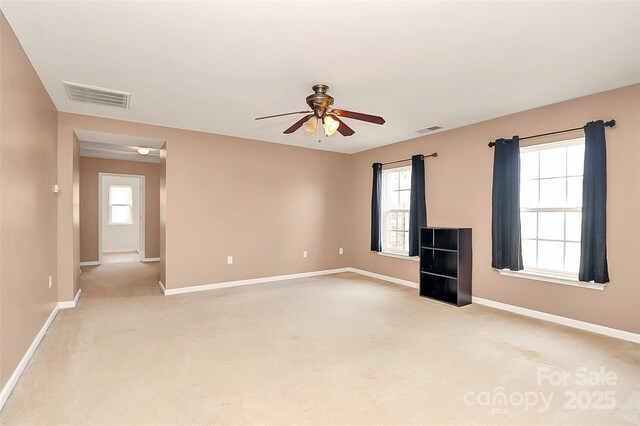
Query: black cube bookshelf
[445,265]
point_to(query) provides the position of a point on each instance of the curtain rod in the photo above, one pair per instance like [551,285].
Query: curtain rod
[609,123]
[435,154]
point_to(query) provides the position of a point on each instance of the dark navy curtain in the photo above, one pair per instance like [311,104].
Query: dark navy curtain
[593,246]
[376,207]
[418,206]
[506,249]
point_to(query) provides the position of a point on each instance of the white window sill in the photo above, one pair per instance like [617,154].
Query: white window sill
[399,256]
[120,224]
[550,278]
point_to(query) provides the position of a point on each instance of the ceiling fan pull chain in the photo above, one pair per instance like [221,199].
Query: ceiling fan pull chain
[320,130]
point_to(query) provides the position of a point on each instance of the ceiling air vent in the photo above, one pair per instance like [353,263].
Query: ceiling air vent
[429,129]
[97,95]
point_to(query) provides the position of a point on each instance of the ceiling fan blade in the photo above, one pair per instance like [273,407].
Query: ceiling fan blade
[281,115]
[358,116]
[343,128]
[298,124]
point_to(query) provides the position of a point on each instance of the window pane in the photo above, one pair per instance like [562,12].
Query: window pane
[575,160]
[121,214]
[529,226]
[574,191]
[529,165]
[405,179]
[406,221]
[553,192]
[574,223]
[392,200]
[392,181]
[391,240]
[401,222]
[529,253]
[572,257]
[551,225]
[405,199]
[553,162]
[529,193]
[400,241]
[391,221]
[551,255]
[120,195]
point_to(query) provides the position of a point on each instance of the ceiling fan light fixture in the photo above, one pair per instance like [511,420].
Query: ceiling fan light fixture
[310,125]
[330,125]
[143,150]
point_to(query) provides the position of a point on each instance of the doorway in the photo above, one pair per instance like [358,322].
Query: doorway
[121,224]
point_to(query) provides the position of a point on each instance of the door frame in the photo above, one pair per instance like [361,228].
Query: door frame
[141,236]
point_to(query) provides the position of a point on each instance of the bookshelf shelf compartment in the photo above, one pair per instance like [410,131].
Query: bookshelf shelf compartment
[445,265]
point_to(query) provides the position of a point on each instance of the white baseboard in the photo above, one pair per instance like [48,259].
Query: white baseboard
[91,263]
[587,326]
[11,383]
[71,303]
[122,250]
[8,388]
[384,277]
[164,290]
[151,259]
[594,328]
[205,287]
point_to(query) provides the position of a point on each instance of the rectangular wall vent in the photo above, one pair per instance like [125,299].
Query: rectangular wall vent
[429,129]
[97,95]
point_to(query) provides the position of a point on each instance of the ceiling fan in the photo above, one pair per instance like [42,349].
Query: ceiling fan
[321,112]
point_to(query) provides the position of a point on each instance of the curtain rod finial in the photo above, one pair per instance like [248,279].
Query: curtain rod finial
[610,123]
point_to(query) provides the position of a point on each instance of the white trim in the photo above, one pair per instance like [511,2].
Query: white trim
[11,383]
[205,287]
[70,303]
[549,278]
[384,277]
[151,259]
[91,263]
[164,290]
[594,328]
[121,250]
[399,256]
[142,225]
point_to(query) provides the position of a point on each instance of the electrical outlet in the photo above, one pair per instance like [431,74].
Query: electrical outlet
[305,254]
[50,281]
[229,260]
[340,250]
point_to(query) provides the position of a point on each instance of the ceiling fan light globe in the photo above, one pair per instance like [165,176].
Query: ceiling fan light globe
[330,125]
[310,125]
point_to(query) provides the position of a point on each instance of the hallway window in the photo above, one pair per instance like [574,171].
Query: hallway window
[120,205]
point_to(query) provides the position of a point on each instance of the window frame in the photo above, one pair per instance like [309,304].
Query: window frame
[542,274]
[111,205]
[538,148]
[383,222]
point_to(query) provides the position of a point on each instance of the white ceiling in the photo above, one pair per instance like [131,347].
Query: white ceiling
[117,147]
[214,66]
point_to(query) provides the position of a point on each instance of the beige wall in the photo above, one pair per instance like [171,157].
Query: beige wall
[458,185]
[262,203]
[28,171]
[89,169]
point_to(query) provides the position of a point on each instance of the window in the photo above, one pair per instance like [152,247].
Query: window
[396,198]
[551,206]
[120,205]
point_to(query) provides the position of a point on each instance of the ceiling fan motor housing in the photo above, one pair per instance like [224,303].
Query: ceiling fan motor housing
[319,101]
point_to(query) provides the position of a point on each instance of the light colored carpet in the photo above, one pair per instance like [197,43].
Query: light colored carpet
[338,350]
[121,257]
